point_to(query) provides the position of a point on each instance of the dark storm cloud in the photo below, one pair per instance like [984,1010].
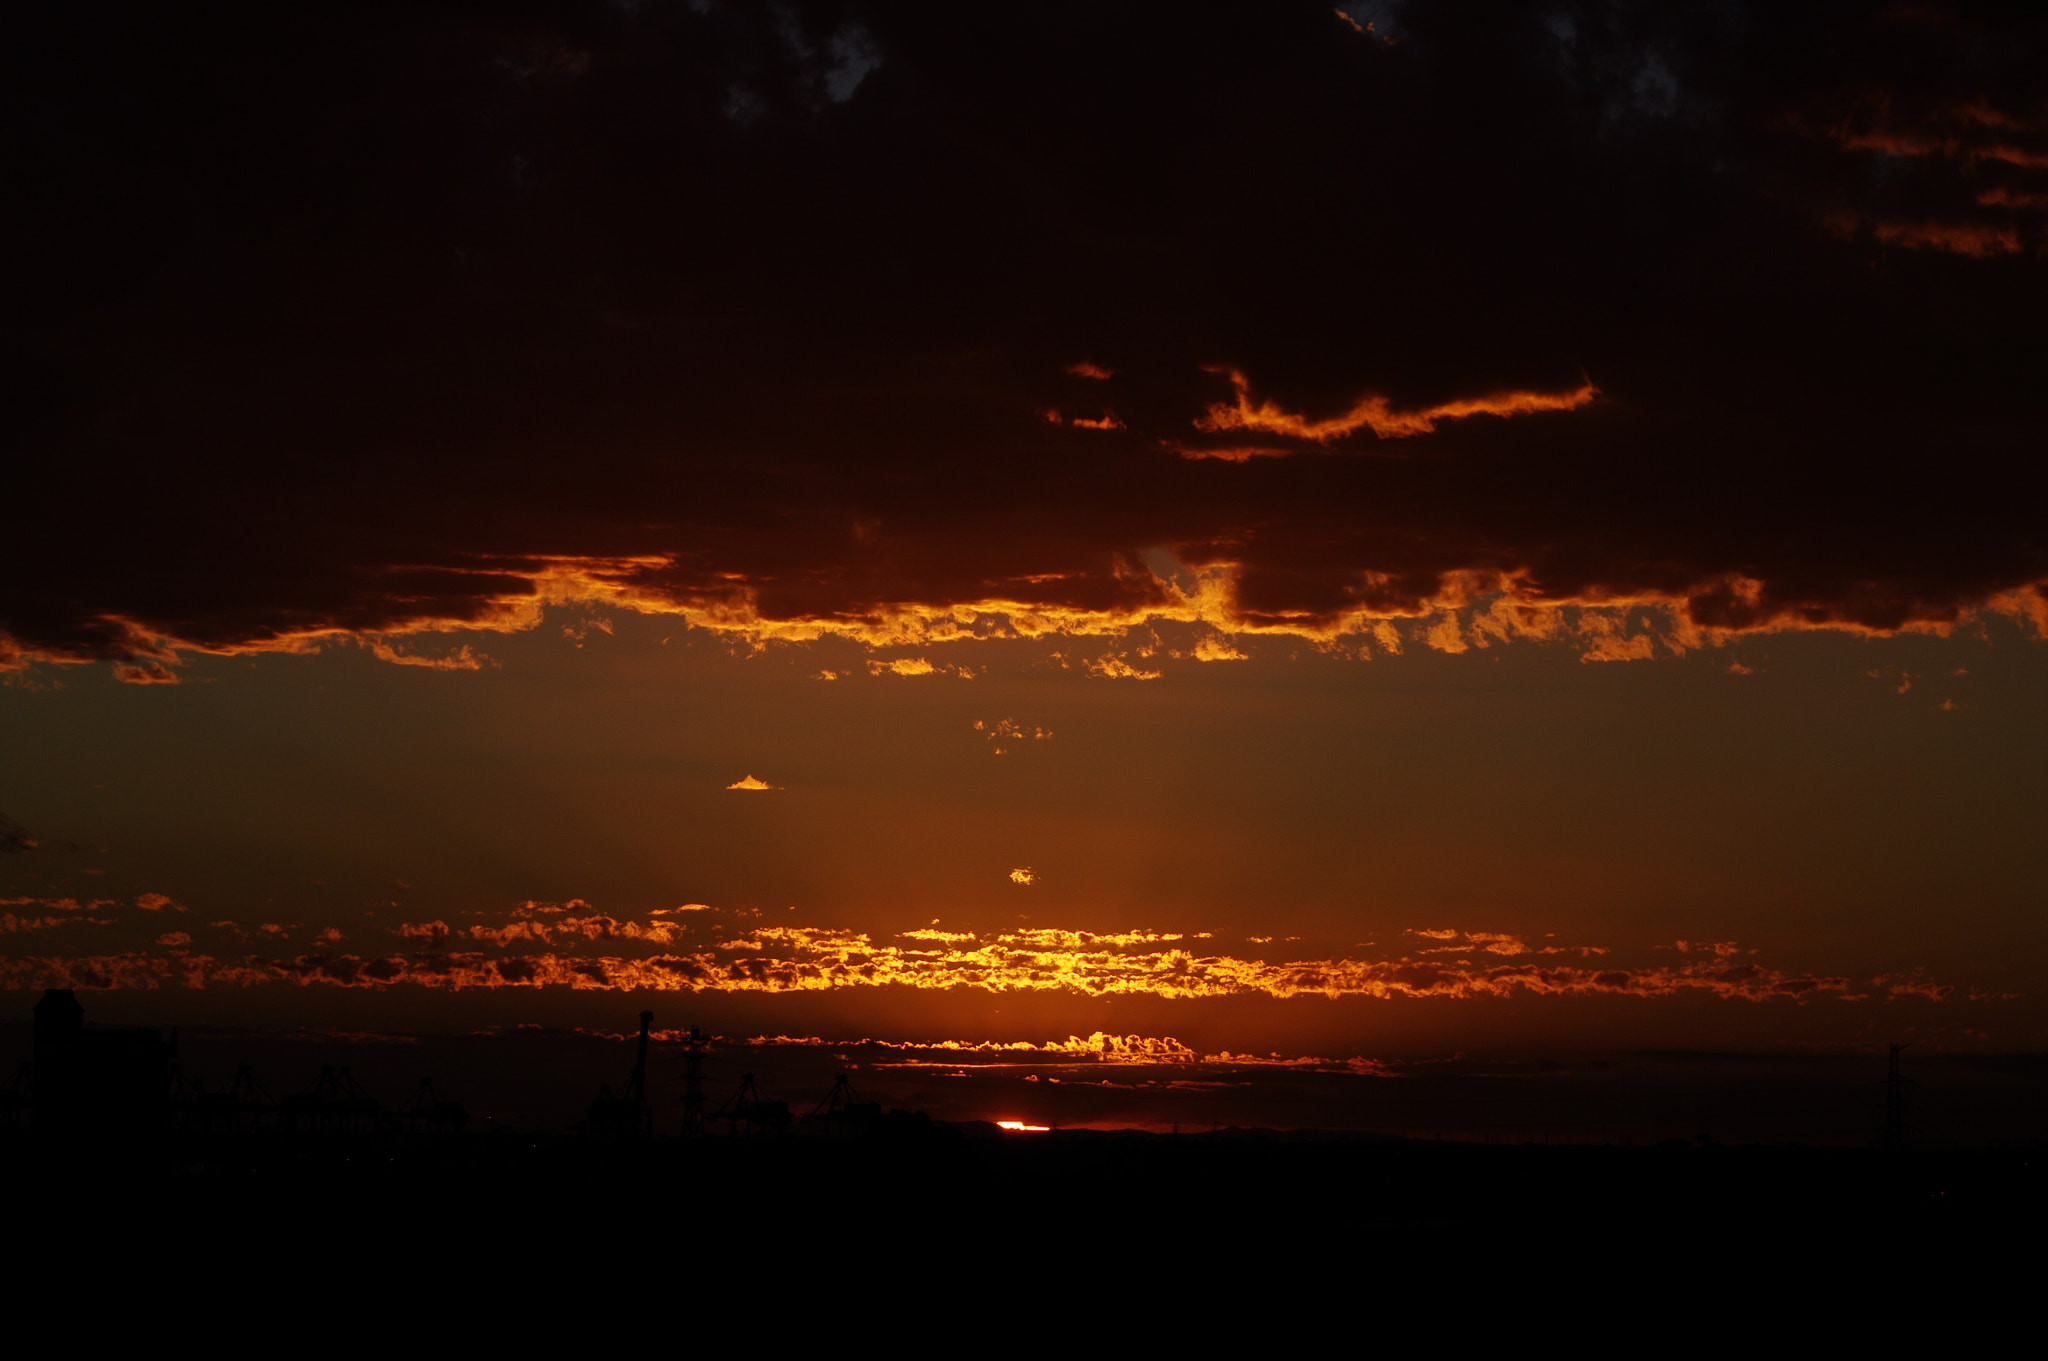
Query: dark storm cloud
[365,318]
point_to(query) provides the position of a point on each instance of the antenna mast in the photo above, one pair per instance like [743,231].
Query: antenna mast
[1894,1136]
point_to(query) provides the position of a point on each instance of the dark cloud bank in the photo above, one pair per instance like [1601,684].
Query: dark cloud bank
[357,316]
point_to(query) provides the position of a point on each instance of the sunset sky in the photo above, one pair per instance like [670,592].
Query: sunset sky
[1392,531]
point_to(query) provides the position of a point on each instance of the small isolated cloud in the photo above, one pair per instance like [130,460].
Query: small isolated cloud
[752,783]
[917,666]
[173,939]
[157,902]
[1005,734]
[1023,875]
[1738,669]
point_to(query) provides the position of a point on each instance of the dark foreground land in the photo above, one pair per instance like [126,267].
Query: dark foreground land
[923,1198]
[118,1170]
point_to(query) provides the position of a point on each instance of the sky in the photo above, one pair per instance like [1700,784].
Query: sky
[1361,535]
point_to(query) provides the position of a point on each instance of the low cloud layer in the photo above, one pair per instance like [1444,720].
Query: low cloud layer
[574,946]
[871,318]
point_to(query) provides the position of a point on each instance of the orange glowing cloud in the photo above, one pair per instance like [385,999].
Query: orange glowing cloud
[794,501]
[1968,133]
[791,959]
[1958,144]
[11,924]
[1377,414]
[144,673]
[750,782]
[1006,734]
[1096,1049]
[1978,240]
[1496,943]
[1233,453]
[917,666]
[1609,625]
[1073,1055]
[1215,649]
[1116,668]
[462,659]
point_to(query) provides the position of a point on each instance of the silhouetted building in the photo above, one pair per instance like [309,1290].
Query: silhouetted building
[96,1082]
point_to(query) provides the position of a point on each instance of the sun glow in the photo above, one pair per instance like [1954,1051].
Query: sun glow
[1021,1127]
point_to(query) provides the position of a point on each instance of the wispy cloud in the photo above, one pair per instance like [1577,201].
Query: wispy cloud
[1377,414]
[463,658]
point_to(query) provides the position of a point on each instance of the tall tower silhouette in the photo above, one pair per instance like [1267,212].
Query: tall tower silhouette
[693,1083]
[1894,1135]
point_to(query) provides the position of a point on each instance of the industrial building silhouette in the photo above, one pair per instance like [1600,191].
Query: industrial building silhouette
[106,1114]
[97,1082]
[125,1084]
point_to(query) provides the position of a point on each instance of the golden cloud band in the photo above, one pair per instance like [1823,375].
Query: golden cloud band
[795,960]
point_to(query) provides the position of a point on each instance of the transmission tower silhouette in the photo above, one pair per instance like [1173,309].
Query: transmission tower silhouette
[693,1083]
